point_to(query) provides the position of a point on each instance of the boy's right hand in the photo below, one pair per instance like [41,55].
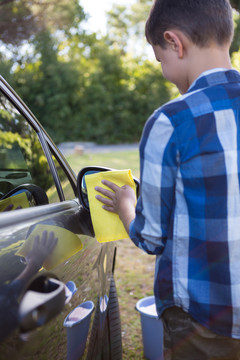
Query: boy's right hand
[120,200]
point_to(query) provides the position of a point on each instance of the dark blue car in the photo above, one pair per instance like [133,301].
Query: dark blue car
[57,294]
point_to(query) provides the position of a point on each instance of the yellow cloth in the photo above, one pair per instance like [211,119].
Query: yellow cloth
[68,244]
[17,200]
[107,226]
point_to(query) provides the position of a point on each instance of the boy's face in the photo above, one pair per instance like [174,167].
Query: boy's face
[172,66]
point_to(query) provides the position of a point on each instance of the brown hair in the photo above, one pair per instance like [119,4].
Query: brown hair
[202,21]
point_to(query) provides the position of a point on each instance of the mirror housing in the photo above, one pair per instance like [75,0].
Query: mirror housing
[81,183]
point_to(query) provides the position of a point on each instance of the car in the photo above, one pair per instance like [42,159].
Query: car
[58,297]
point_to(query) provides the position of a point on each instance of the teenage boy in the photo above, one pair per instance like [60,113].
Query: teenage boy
[188,212]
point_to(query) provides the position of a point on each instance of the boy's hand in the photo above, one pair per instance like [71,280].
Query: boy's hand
[121,200]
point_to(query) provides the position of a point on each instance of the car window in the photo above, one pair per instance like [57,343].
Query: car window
[22,160]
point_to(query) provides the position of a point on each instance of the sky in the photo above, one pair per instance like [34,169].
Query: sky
[97,10]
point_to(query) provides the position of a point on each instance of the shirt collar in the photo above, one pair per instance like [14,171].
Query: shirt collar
[215,77]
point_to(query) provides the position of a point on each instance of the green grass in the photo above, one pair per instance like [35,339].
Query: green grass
[134,279]
[134,272]
[116,160]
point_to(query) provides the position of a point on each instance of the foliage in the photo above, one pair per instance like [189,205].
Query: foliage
[118,97]
[236,40]
[20,20]
[83,87]
[236,60]
[126,26]
[50,87]
[108,102]
[9,140]
[94,91]
[30,149]
[118,26]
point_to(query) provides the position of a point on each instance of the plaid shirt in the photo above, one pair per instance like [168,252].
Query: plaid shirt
[188,212]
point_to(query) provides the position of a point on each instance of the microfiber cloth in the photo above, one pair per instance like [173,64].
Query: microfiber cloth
[16,200]
[68,244]
[107,226]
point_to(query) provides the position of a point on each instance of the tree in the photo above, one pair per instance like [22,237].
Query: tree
[50,86]
[118,26]
[126,26]
[82,87]
[120,93]
[236,40]
[20,20]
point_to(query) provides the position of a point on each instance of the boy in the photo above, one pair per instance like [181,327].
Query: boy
[188,212]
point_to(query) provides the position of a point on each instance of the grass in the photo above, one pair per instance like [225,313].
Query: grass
[134,270]
[117,160]
[134,279]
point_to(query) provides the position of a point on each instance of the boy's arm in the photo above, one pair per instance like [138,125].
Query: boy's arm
[121,200]
[148,225]
[159,164]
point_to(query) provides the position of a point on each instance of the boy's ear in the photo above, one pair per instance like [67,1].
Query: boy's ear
[175,41]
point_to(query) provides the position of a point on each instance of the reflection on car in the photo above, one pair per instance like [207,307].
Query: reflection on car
[51,264]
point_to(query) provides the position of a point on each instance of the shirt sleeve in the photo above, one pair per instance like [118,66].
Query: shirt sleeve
[158,169]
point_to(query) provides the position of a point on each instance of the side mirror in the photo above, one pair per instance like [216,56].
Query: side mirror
[81,183]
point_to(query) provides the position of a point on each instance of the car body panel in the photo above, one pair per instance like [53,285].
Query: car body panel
[90,268]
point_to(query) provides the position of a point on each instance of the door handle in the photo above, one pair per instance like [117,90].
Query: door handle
[43,300]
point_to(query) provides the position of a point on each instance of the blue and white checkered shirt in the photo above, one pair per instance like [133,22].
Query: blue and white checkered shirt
[188,212]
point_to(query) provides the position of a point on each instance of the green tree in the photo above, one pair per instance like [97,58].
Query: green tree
[119,96]
[20,20]
[81,87]
[126,26]
[236,40]
[105,98]
[50,88]
[118,26]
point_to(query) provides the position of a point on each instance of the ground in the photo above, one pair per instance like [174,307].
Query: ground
[134,275]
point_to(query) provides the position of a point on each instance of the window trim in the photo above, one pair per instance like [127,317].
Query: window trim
[70,174]
[52,167]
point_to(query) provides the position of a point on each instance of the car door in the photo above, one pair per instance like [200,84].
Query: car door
[50,262]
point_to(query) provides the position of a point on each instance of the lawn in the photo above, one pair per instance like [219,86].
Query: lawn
[134,270]
[116,160]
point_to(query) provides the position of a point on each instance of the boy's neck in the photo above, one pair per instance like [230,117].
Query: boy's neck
[203,59]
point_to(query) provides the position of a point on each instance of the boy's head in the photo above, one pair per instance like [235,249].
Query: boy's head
[202,21]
